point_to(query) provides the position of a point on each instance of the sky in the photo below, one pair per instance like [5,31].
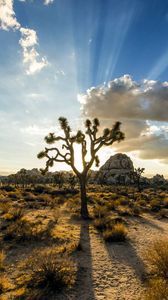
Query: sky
[84,59]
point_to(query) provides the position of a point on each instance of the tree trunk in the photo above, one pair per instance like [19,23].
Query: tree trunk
[84,208]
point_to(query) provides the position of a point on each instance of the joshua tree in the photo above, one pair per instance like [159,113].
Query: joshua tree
[137,174]
[67,154]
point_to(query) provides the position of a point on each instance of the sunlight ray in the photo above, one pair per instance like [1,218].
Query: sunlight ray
[160,66]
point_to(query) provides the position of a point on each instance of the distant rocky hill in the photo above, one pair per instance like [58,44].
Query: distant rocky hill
[117,169]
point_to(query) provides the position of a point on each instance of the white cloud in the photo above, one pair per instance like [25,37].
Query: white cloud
[31,58]
[137,105]
[29,37]
[7,16]
[38,130]
[47,2]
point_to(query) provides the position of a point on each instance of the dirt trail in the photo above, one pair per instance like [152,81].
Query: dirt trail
[116,271]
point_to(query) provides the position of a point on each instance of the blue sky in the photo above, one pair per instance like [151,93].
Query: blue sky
[52,51]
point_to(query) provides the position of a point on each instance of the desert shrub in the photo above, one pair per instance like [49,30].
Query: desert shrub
[136,210]
[124,211]
[123,201]
[118,233]
[100,211]
[50,273]
[155,204]
[163,213]
[44,198]
[4,207]
[8,188]
[74,205]
[16,214]
[158,258]
[100,224]
[113,196]
[157,289]
[40,189]
[141,202]
[4,285]
[2,258]
[110,205]
[165,202]
[103,224]
[14,195]
[22,230]
[28,196]
[116,203]
[70,248]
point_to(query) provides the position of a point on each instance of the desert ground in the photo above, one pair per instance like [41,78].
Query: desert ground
[48,252]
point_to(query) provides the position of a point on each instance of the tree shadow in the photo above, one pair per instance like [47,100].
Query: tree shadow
[125,254]
[84,286]
[150,223]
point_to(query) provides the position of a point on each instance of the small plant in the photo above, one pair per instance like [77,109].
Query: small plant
[165,202]
[158,258]
[22,231]
[5,284]
[124,211]
[16,214]
[14,195]
[163,213]
[4,207]
[117,233]
[2,258]
[157,289]
[50,273]
[100,211]
[100,224]
[136,210]
[155,204]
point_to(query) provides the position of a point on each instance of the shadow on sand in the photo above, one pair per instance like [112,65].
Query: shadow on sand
[125,255]
[146,221]
[84,286]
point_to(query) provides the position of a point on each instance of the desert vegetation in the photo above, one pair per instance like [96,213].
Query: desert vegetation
[46,245]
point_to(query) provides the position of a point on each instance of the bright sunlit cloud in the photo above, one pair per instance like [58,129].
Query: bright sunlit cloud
[28,40]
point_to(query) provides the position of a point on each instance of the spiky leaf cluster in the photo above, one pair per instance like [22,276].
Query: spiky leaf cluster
[108,137]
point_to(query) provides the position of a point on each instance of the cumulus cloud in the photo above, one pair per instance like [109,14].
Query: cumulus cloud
[137,105]
[7,15]
[28,41]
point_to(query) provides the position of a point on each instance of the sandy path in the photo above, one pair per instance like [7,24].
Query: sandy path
[115,274]
[116,271]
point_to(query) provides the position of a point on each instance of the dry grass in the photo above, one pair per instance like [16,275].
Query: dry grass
[118,233]
[4,207]
[157,290]
[158,258]
[49,274]
[2,258]
[22,230]
[100,211]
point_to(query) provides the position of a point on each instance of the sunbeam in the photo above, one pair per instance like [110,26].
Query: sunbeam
[160,66]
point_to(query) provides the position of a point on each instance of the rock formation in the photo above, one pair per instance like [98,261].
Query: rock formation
[117,169]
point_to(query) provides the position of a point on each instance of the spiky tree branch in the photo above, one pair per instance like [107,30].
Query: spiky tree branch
[108,138]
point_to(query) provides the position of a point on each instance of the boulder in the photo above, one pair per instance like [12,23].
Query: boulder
[117,169]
